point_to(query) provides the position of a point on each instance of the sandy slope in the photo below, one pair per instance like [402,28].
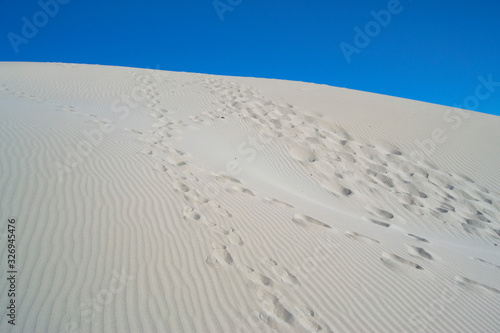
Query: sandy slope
[159,201]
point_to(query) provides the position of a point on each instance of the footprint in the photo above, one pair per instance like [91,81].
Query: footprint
[226,177]
[362,238]
[347,157]
[176,161]
[476,223]
[179,186]
[302,154]
[470,229]
[414,209]
[339,132]
[196,119]
[306,318]
[218,208]
[418,252]
[386,180]
[189,213]
[272,305]
[390,149]
[420,239]
[467,178]
[383,224]
[234,238]
[376,168]
[282,272]
[380,212]
[468,282]
[392,260]
[478,215]
[337,188]
[273,201]
[486,262]
[194,196]
[241,189]
[133,130]
[221,254]
[160,167]
[255,277]
[445,208]
[68,108]
[305,220]
[413,190]
[230,234]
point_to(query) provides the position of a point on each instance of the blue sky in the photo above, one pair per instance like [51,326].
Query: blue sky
[444,52]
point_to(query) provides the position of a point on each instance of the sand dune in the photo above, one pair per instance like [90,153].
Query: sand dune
[155,201]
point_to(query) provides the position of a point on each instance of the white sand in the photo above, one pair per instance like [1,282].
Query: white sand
[175,202]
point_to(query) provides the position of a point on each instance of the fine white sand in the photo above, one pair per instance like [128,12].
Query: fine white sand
[154,201]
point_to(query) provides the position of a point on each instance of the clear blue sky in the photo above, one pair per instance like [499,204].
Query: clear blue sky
[431,50]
